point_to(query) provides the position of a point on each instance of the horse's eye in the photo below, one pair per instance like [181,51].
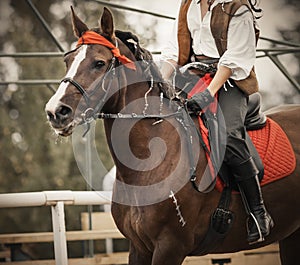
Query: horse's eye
[99,64]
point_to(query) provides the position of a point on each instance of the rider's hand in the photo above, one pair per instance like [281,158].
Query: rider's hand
[199,101]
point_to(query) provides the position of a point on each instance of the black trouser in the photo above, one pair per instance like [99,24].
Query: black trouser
[234,105]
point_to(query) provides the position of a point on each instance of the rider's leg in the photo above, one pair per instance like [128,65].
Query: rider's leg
[234,105]
[259,224]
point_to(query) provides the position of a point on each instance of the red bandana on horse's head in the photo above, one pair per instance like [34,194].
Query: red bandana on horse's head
[91,37]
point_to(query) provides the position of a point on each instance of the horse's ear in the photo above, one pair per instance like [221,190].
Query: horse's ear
[107,23]
[78,26]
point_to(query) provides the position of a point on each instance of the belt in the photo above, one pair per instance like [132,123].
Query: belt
[204,59]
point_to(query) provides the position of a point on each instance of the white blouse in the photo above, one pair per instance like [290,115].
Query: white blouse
[241,45]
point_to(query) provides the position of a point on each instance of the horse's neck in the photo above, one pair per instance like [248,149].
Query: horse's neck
[139,98]
[144,150]
[139,94]
[147,152]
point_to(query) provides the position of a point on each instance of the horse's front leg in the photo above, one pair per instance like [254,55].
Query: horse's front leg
[139,258]
[168,253]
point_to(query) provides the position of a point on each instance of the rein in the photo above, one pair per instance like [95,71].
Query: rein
[137,116]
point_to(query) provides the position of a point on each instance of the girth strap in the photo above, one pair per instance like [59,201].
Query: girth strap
[220,223]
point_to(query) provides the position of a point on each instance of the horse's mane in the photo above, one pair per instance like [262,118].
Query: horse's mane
[143,55]
[133,44]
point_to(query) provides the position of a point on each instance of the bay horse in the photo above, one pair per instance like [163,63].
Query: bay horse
[154,204]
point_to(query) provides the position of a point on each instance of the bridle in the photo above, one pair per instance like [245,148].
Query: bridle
[92,37]
[89,114]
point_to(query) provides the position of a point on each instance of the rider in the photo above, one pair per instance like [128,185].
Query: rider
[199,31]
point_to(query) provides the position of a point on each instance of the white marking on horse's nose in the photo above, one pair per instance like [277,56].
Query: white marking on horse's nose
[55,100]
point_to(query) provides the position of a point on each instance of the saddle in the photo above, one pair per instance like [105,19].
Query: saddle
[268,144]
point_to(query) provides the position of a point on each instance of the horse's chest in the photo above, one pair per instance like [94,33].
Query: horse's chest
[138,223]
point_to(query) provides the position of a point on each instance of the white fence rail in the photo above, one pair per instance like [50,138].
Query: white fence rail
[57,200]
[12,200]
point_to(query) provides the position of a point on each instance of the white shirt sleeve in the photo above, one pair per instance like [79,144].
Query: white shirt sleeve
[241,45]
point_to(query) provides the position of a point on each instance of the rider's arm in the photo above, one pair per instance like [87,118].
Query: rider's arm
[221,76]
[241,46]
[239,58]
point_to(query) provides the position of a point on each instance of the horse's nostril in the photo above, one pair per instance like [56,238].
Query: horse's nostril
[50,116]
[63,112]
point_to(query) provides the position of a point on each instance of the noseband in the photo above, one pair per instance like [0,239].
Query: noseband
[78,86]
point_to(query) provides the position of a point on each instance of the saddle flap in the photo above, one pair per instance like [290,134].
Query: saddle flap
[255,119]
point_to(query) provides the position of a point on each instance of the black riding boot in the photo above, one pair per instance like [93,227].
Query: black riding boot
[259,221]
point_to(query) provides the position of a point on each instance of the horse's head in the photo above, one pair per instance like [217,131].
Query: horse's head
[97,53]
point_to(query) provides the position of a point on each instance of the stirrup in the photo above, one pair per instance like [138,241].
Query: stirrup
[260,235]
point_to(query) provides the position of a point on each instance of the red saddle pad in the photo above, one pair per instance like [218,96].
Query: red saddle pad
[275,150]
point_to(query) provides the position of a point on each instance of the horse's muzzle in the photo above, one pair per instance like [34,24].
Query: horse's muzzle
[61,119]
